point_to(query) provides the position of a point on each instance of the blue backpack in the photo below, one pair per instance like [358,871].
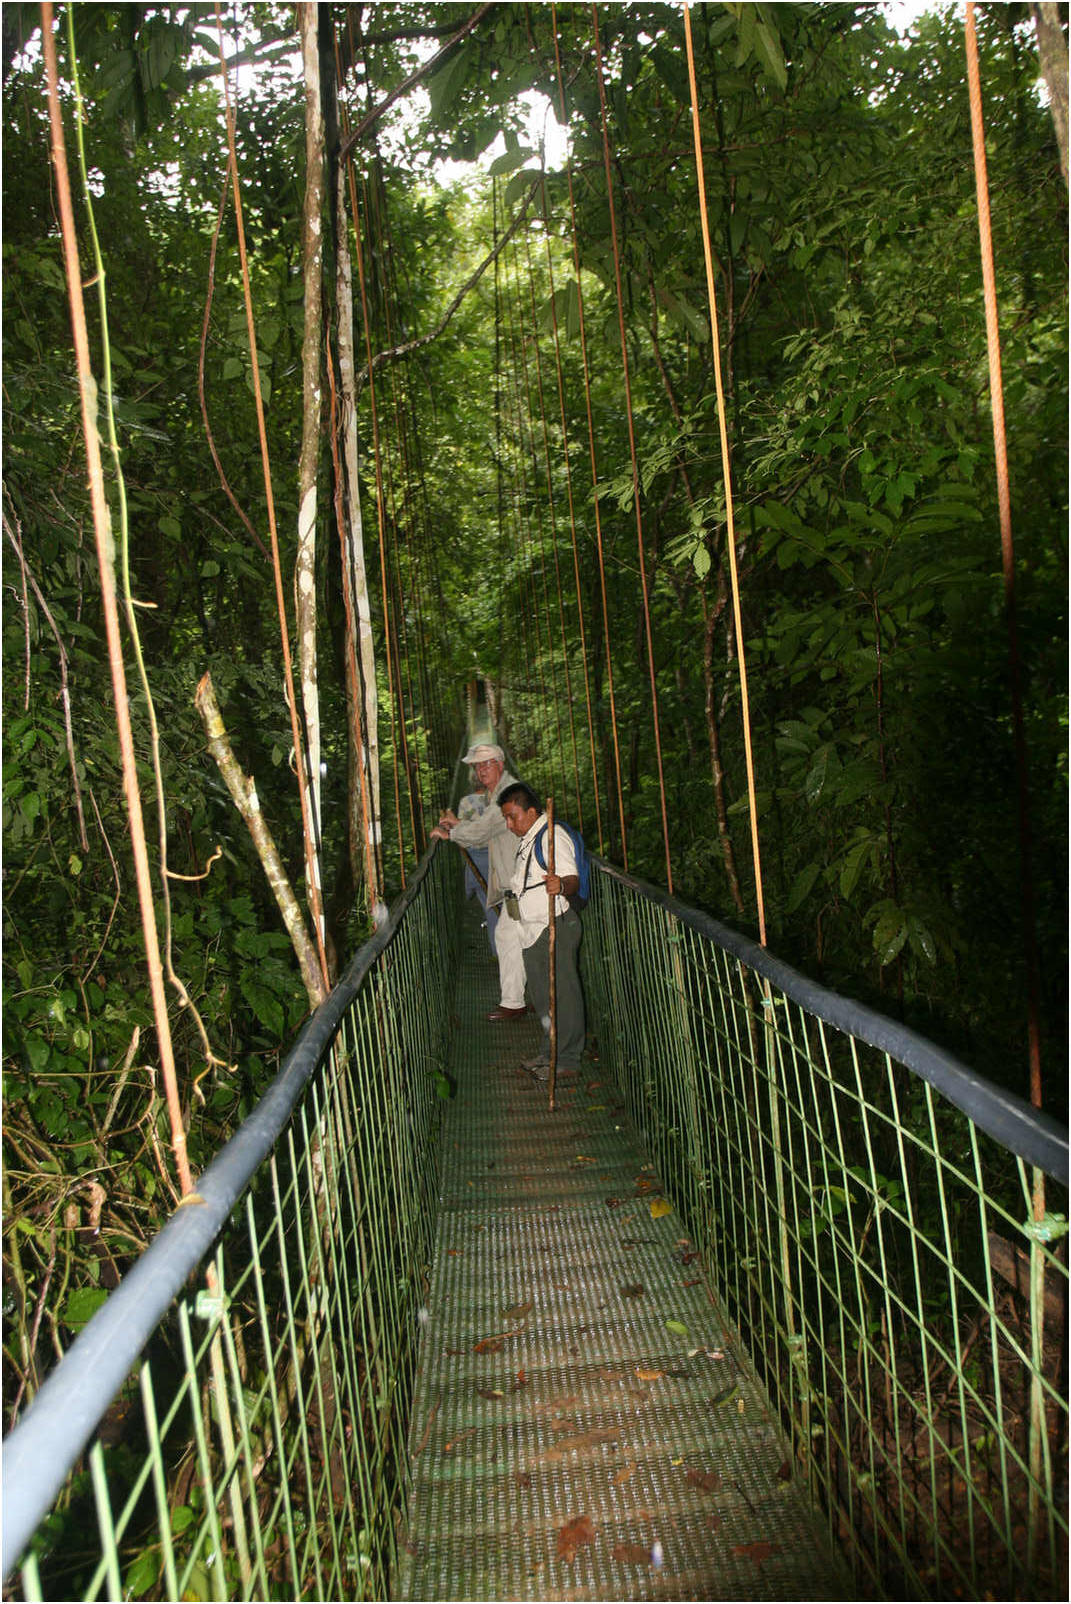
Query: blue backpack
[579,899]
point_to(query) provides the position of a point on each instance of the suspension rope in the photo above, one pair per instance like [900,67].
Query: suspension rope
[554,531]
[730,530]
[591,449]
[522,450]
[539,548]
[572,522]
[1000,447]
[632,446]
[312,865]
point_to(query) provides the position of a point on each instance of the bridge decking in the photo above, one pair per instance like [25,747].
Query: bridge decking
[566,1441]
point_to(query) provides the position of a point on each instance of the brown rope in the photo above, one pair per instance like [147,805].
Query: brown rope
[632,447]
[591,450]
[572,525]
[312,874]
[730,535]
[554,534]
[1000,447]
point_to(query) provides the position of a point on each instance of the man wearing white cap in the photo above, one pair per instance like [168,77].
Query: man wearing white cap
[488,830]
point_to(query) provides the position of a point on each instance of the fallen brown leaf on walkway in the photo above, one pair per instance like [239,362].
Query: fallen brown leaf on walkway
[632,1289]
[706,1480]
[490,1392]
[584,1439]
[756,1551]
[632,1554]
[626,1474]
[519,1311]
[496,1343]
[613,1202]
[575,1534]
[522,1478]
[449,1447]
[648,1375]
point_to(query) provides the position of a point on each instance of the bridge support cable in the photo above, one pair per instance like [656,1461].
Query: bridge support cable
[567,464]
[636,496]
[730,529]
[595,510]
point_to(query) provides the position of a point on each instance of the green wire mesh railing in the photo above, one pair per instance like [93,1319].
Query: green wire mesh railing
[880,1227]
[258,1450]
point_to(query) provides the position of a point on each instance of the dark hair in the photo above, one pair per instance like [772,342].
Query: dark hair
[522,794]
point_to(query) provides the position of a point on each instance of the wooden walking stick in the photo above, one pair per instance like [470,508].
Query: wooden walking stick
[552,936]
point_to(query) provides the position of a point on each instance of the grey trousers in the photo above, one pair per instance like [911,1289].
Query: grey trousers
[569,999]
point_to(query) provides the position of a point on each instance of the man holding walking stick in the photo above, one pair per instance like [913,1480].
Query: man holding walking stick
[536,891]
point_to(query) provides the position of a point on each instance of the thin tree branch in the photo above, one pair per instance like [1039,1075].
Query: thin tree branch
[408,83]
[244,795]
[470,284]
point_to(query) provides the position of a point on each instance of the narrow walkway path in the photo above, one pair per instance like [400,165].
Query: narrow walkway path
[583,1426]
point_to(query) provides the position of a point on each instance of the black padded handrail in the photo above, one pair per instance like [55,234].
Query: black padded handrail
[1034,1136]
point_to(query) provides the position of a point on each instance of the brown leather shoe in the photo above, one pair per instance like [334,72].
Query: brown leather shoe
[499,1014]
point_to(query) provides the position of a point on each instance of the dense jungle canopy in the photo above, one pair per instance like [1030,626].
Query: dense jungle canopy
[447,425]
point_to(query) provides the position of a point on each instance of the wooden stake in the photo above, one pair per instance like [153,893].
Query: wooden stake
[552,937]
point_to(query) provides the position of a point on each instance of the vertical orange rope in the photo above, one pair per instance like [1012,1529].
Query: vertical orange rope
[523,540]
[103,537]
[632,446]
[312,877]
[591,448]
[1000,447]
[538,548]
[572,523]
[730,530]
[554,531]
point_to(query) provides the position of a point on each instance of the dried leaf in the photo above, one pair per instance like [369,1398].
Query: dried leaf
[784,1471]
[707,1480]
[519,1311]
[520,1381]
[496,1343]
[632,1554]
[648,1375]
[522,1478]
[490,1392]
[644,1183]
[449,1447]
[660,1206]
[626,1474]
[756,1551]
[576,1444]
[632,1289]
[575,1534]
[613,1202]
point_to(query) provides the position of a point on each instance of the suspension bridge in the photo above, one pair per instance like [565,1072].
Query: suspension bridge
[763,1309]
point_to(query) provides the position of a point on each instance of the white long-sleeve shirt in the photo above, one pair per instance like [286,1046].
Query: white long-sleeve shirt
[529,878]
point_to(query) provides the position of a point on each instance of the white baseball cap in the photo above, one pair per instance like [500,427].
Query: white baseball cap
[484,754]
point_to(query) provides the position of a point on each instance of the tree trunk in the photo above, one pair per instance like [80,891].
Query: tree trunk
[1052,59]
[305,565]
[244,795]
[353,537]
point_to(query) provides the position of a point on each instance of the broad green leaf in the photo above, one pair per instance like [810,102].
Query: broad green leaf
[678,1328]
[144,1573]
[81,1306]
[801,886]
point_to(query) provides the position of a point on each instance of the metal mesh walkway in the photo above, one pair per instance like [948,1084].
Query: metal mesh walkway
[584,1424]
